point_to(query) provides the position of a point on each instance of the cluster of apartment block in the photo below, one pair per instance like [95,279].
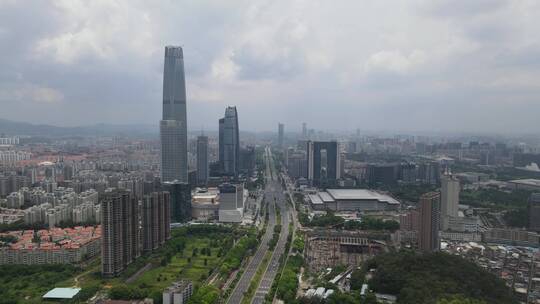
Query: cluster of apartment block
[67,207]
[51,246]
[123,237]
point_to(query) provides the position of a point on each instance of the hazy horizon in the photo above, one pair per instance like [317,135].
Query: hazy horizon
[415,66]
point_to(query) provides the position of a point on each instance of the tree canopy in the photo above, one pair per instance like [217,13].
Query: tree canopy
[428,278]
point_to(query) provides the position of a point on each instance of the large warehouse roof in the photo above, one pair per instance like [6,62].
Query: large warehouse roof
[360,194]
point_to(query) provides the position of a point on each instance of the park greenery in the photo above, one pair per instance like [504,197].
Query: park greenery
[234,257]
[194,252]
[26,284]
[206,294]
[460,300]
[407,192]
[330,220]
[256,280]
[495,199]
[516,218]
[434,278]
[275,237]
[288,282]
[370,223]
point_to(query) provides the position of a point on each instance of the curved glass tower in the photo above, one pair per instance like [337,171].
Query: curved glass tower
[229,142]
[173,127]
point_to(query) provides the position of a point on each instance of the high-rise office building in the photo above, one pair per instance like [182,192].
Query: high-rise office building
[202,160]
[430,173]
[180,197]
[229,142]
[156,222]
[449,199]
[382,174]
[281,131]
[323,162]
[173,127]
[247,159]
[297,164]
[430,207]
[304,130]
[534,212]
[120,235]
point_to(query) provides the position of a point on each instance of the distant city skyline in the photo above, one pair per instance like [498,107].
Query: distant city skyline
[408,65]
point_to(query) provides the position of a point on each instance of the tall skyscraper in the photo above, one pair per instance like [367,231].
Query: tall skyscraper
[534,212]
[281,131]
[155,220]
[180,201]
[449,199]
[120,236]
[173,127]
[323,162]
[304,130]
[229,142]
[430,207]
[202,160]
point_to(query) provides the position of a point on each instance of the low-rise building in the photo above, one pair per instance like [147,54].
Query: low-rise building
[178,293]
[352,200]
[52,246]
[205,204]
[525,184]
[511,237]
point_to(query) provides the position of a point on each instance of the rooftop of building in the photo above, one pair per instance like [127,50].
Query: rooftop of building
[178,286]
[528,182]
[360,194]
[62,293]
[54,238]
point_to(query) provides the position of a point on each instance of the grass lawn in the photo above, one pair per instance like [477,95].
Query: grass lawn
[183,266]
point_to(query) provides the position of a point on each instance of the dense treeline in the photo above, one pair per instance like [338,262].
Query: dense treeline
[428,278]
[331,220]
[369,223]
[207,294]
[288,282]
[407,192]
[516,218]
[491,198]
[234,257]
[21,281]
[275,237]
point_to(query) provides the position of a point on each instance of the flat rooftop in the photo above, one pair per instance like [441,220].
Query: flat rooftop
[360,194]
[315,199]
[528,182]
[62,293]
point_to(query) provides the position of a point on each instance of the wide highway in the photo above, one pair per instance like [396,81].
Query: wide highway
[274,195]
[249,272]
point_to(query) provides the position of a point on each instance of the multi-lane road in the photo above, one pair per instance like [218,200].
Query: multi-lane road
[274,194]
[243,284]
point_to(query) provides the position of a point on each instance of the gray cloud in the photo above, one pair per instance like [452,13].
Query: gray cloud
[416,65]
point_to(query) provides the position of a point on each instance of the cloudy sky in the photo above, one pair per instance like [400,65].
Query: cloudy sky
[438,65]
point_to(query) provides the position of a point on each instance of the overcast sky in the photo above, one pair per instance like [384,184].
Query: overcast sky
[428,65]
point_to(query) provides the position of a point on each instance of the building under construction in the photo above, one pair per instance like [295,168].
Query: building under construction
[330,248]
